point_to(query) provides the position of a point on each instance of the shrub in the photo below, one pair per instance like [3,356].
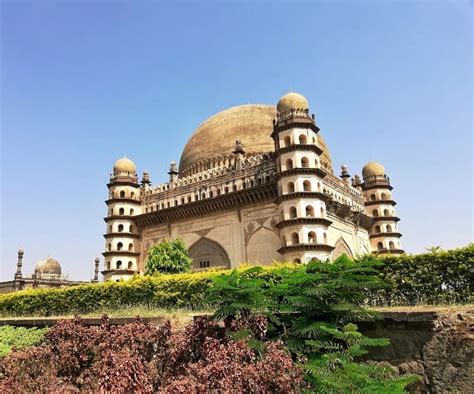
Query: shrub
[139,357]
[18,338]
[311,310]
[168,257]
[439,277]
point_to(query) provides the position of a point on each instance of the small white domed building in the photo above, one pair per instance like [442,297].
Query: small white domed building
[255,183]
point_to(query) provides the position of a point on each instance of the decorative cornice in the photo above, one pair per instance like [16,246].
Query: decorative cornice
[291,222]
[120,253]
[377,185]
[121,235]
[388,251]
[303,122]
[306,247]
[302,171]
[389,218]
[377,202]
[300,195]
[119,217]
[223,202]
[386,235]
[123,200]
[119,272]
[299,147]
[124,182]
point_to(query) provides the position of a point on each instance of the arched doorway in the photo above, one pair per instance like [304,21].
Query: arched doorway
[341,247]
[206,253]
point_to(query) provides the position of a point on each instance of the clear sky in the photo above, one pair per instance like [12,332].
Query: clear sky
[83,83]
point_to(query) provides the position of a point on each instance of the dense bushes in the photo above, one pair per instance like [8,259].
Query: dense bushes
[439,277]
[138,357]
[168,257]
[312,311]
[18,338]
[429,278]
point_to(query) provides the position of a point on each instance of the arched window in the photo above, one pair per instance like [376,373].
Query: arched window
[121,211]
[203,195]
[189,198]
[110,228]
[122,194]
[307,186]
[109,247]
[226,190]
[132,194]
[375,213]
[111,212]
[131,211]
[211,194]
[108,265]
[321,211]
[384,196]
[389,228]
[297,261]
[130,265]
[283,240]
[372,197]
[303,139]
[234,187]
[377,229]
[130,228]
[130,247]
[289,164]
[182,200]
[287,140]
[304,162]
[120,228]
[291,187]
[319,187]
[119,264]
[379,245]
[295,239]
[325,238]
[391,245]
[312,237]
[293,213]
[196,197]
[119,246]
[316,163]
[385,212]
[309,211]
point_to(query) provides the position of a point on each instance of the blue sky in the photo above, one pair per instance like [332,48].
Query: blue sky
[83,83]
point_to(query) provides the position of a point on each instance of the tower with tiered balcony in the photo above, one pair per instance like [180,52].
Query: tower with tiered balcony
[379,204]
[303,221]
[122,239]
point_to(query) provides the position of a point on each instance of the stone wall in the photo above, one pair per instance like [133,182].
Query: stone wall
[438,346]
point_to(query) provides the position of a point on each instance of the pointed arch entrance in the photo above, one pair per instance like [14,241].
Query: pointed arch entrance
[341,247]
[206,253]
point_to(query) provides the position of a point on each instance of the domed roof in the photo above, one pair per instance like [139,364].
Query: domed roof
[292,101]
[48,267]
[373,168]
[252,124]
[124,164]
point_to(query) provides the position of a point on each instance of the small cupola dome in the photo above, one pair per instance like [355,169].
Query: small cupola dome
[124,165]
[292,102]
[372,169]
[48,268]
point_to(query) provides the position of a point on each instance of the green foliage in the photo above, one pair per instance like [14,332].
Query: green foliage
[19,338]
[437,277]
[168,257]
[311,309]
[166,291]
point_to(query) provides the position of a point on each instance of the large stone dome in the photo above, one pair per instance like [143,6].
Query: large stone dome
[252,124]
[124,165]
[48,268]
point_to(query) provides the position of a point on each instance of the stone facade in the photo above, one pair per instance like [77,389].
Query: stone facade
[255,184]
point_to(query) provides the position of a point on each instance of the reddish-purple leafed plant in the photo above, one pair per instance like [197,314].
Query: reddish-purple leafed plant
[140,357]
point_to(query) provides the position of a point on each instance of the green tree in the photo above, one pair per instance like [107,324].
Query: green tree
[168,257]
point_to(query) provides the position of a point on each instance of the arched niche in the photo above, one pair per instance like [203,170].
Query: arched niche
[206,253]
[262,247]
[341,247]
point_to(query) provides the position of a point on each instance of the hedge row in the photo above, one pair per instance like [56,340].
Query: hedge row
[187,291]
[443,277]
[430,278]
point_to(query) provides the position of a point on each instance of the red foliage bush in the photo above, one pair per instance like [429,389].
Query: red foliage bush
[146,358]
